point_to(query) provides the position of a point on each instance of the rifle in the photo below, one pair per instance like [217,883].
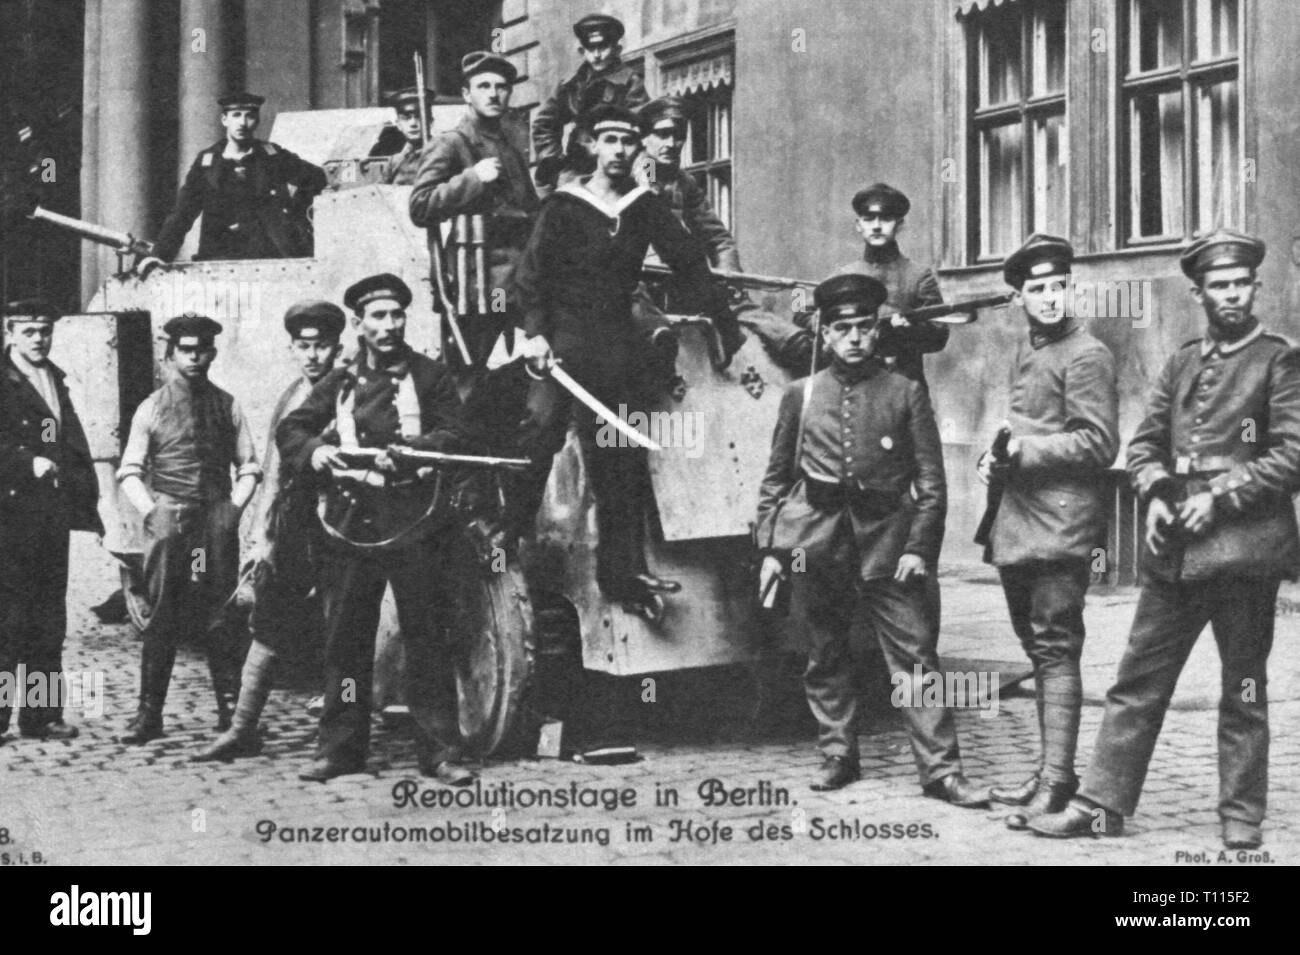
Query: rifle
[750,279]
[437,254]
[997,486]
[953,313]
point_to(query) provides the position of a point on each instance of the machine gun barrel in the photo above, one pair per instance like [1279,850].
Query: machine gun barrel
[121,241]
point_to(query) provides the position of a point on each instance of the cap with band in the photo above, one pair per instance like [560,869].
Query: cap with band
[598,29]
[849,296]
[374,287]
[881,199]
[241,100]
[1041,255]
[1221,249]
[608,116]
[32,310]
[326,318]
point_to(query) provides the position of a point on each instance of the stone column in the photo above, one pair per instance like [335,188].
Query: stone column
[202,77]
[124,151]
[90,276]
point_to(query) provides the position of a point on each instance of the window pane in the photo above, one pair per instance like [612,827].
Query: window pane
[1000,59]
[1002,152]
[1051,188]
[1156,170]
[1157,34]
[720,193]
[1216,29]
[1049,49]
[1219,156]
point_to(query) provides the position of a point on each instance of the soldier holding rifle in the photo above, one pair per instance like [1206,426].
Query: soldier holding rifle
[389,394]
[1216,461]
[1063,434]
[410,106]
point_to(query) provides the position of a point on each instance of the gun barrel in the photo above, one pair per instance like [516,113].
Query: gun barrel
[419,92]
[437,457]
[94,232]
[740,278]
[930,312]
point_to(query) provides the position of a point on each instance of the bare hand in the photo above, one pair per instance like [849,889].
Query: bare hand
[326,458]
[1197,512]
[537,352]
[147,265]
[898,321]
[984,467]
[488,170]
[44,467]
[384,462]
[1159,518]
[909,566]
[771,568]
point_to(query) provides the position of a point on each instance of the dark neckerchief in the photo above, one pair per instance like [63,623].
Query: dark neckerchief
[397,366]
[885,254]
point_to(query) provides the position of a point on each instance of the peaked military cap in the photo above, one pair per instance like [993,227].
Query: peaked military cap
[606,116]
[409,97]
[33,310]
[1040,255]
[665,109]
[190,325]
[374,287]
[1221,249]
[598,28]
[241,100]
[326,317]
[849,296]
[481,61]
[883,200]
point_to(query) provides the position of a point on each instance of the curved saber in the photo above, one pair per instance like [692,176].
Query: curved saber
[565,381]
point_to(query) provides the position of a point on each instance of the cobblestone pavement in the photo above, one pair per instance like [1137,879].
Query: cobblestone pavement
[95,801]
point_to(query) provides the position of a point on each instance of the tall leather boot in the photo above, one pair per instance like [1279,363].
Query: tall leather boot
[1062,706]
[156,660]
[241,738]
[224,669]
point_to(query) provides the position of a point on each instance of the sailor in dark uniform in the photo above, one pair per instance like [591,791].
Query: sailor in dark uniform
[253,196]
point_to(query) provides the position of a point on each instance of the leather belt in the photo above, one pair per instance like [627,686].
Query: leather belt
[1187,464]
[832,495]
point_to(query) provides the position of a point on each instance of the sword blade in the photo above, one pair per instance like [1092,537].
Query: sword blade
[565,381]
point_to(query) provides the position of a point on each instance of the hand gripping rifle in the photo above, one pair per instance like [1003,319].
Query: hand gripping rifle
[997,486]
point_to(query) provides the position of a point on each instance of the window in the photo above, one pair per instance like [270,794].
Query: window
[700,71]
[707,154]
[1181,118]
[1019,146]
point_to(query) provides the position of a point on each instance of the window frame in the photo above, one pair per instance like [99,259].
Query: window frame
[1027,111]
[1189,78]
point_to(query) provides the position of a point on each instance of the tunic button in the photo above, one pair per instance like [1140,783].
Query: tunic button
[848,458]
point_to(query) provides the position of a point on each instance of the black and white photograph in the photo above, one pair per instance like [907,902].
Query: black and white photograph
[651,432]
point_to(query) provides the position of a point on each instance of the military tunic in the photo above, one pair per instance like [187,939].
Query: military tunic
[35,518]
[867,488]
[248,208]
[353,581]
[1222,417]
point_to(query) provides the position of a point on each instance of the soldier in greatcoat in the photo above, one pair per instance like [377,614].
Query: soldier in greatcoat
[1064,425]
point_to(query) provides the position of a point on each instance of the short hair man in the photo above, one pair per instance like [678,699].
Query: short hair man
[403,164]
[388,394]
[285,545]
[1220,536]
[478,169]
[880,212]
[186,438]
[575,283]
[253,195]
[47,489]
[602,79]
[1065,432]
[856,481]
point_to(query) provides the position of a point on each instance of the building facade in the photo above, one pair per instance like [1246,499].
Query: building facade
[1126,125]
